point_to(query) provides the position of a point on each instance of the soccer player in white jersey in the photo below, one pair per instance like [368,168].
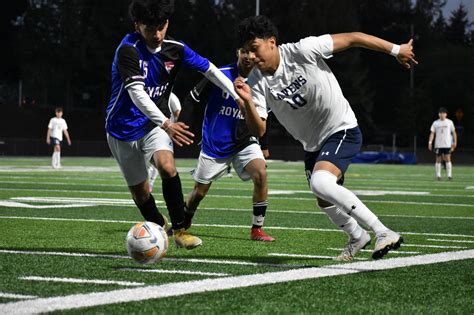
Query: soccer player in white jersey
[295,83]
[56,128]
[445,140]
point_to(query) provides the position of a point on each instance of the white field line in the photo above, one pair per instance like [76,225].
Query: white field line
[469,187]
[76,301]
[14,204]
[245,197]
[273,192]
[223,226]
[317,212]
[128,202]
[16,296]
[434,246]
[449,241]
[76,280]
[179,260]
[69,191]
[181,272]
[400,252]
[308,256]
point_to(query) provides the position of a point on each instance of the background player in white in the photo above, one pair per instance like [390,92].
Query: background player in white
[56,127]
[297,85]
[227,141]
[445,141]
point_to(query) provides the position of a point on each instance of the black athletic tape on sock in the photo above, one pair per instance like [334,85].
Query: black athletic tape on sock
[260,208]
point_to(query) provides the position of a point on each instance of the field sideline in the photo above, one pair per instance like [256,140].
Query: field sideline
[62,245]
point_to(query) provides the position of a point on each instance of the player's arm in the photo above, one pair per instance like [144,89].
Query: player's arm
[192,112]
[430,140]
[129,69]
[455,138]
[404,53]
[255,123]
[48,136]
[66,134]
[210,71]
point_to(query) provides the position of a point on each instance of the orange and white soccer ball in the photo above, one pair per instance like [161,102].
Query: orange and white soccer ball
[147,242]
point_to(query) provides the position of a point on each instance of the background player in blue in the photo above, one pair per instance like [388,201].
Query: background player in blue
[226,139]
[138,129]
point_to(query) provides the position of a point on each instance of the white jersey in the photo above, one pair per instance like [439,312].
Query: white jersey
[57,126]
[303,93]
[443,130]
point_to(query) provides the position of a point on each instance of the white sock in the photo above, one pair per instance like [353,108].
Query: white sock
[58,154]
[438,169]
[324,185]
[258,220]
[55,159]
[345,222]
[449,169]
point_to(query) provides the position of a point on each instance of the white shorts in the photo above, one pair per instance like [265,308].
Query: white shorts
[132,157]
[210,169]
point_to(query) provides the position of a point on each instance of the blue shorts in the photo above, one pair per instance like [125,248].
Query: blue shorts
[339,149]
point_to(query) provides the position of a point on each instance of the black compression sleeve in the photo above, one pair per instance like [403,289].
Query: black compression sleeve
[128,65]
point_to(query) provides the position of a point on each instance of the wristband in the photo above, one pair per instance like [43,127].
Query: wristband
[395,50]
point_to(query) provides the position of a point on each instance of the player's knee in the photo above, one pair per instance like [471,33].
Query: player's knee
[167,169]
[321,181]
[259,177]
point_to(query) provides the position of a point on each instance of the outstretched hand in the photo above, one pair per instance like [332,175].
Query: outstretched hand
[406,56]
[179,133]
[242,89]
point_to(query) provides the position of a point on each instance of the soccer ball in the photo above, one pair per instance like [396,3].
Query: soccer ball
[146,242]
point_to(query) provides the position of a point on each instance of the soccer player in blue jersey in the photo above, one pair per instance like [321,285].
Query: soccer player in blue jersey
[144,69]
[226,140]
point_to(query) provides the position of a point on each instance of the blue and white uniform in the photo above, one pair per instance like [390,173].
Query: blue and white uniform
[225,136]
[142,81]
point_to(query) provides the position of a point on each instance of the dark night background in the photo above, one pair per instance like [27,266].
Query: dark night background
[61,52]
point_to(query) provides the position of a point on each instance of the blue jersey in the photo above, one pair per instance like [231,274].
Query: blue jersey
[224,131]
[135,64]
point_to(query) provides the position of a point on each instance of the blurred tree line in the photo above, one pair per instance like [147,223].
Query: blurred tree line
[62,51]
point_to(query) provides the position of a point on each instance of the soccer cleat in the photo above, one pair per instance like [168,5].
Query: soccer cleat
[438,178]
[353,246]
[183,239]
[450,178]
[386,241]
[257,234]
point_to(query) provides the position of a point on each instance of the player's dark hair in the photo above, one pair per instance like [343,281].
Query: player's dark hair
[58,109]
[255,27]
[442,110]
[150,12]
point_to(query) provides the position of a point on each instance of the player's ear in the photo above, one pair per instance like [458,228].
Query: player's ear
[272,42]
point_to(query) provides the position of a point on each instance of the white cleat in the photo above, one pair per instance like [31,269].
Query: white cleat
[353,246]
[386,241]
